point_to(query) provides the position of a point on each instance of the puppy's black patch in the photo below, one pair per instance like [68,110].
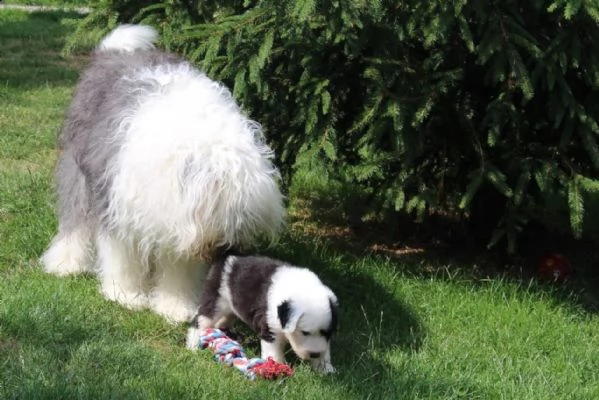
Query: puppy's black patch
[249,281]
[334,317]
[284,312]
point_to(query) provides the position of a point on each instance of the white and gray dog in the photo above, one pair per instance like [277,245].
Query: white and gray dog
[158,167]
[282,303]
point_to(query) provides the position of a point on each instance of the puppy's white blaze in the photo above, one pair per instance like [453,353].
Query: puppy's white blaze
[129,38]
[205,164]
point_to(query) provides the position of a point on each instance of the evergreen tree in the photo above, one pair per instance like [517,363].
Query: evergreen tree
[427,106]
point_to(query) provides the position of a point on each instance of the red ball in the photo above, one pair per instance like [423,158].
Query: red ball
[554,268]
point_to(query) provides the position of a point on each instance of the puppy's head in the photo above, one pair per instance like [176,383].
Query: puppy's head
[309,323]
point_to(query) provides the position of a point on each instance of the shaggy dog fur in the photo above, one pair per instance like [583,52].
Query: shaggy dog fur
[158,167]
[282,303]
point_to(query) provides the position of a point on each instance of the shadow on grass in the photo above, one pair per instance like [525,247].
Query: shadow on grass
[443,246]
[51,338]
[50,349]
[31,44]
[375,325]
[379,311]
[372,321]
[69,362]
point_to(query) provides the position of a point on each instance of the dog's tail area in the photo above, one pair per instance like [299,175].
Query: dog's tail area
[129,38]
[232,191]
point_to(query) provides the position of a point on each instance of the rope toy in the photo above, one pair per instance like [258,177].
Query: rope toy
[230,352]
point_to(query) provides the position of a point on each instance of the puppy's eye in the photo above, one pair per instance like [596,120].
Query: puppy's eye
[305,333]
[325,333]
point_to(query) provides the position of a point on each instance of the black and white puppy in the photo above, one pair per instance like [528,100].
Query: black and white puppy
[281,302]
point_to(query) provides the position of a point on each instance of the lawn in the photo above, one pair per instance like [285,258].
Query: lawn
[413,326]
[52,3]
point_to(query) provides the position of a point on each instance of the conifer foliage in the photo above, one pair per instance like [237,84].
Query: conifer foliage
[426,105]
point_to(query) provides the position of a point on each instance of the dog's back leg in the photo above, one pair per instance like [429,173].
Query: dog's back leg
[71,250]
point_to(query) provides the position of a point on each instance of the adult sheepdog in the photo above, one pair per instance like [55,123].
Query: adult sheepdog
[158,168]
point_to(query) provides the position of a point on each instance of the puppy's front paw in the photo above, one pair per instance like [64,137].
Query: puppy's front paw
[324,367]
[193,338]
[328,369]
[272,349]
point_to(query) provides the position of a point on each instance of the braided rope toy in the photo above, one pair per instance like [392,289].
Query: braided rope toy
[230,352]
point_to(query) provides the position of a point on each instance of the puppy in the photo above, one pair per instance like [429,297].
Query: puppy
[282,303]
[158,167]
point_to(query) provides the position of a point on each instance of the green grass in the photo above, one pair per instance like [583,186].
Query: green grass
[412,327]
[52,3]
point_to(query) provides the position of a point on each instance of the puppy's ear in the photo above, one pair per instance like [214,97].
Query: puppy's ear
[288,316]
[334,306]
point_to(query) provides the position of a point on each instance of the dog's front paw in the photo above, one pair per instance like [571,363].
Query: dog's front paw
[174,308]
[133,300]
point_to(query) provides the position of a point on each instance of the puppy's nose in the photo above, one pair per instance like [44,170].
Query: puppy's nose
[314,355]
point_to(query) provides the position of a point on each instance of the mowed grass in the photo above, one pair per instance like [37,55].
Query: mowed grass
[412,327]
